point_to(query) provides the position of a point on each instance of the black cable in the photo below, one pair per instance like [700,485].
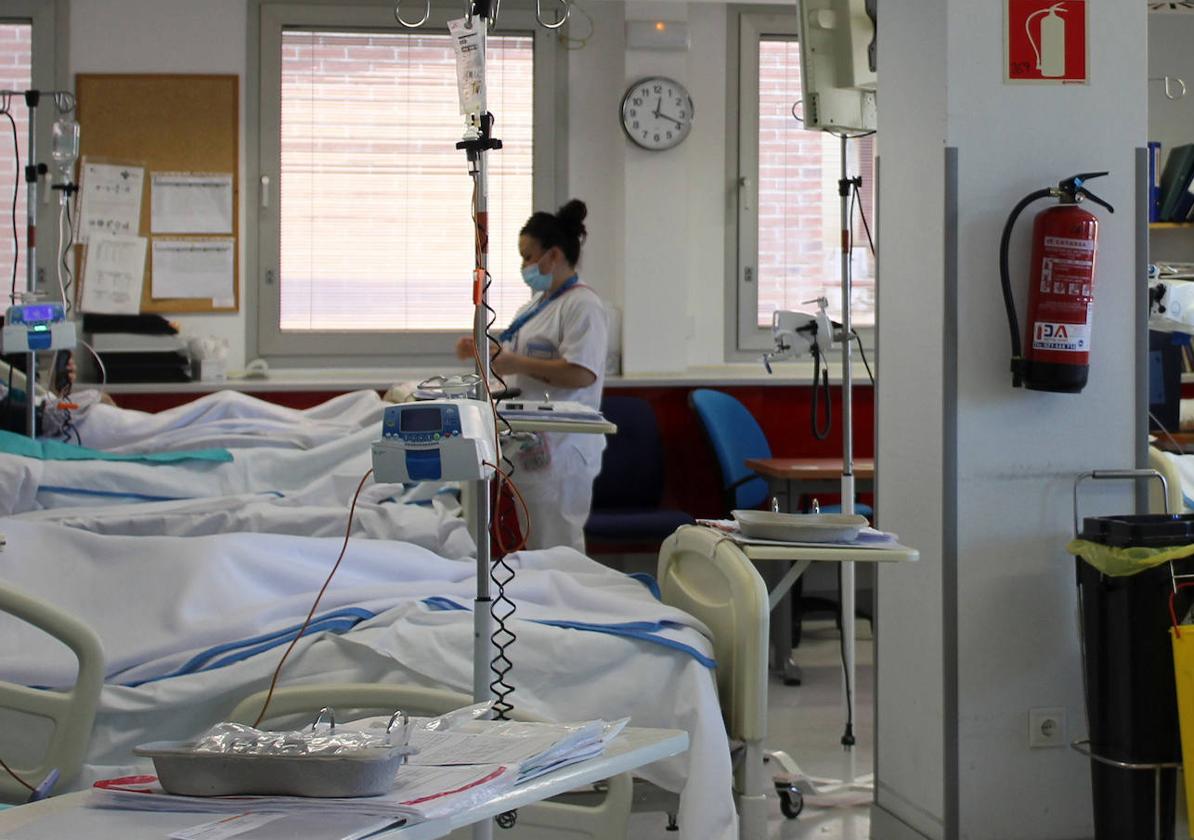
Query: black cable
[16,191]
[822,374]
[70,241]
[847,736]
[862,352]
[1009,302]
[862,215]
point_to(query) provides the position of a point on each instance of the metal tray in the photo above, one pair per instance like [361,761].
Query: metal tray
[799,527]
[184,772]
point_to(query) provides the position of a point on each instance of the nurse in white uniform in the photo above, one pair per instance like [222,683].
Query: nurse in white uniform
[555,347]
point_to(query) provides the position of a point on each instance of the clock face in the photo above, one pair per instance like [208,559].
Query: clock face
[657,113]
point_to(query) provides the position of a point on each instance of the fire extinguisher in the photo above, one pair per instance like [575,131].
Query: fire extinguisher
[1065,239]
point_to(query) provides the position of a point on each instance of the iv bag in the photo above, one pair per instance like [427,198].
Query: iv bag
[64,144]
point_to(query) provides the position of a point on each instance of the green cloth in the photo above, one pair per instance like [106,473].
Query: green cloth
[1121,562]
[55,450]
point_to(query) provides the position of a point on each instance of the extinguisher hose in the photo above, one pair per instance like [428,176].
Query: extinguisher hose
[1009,301]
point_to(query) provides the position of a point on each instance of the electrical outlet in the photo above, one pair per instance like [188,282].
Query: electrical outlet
[1046,727]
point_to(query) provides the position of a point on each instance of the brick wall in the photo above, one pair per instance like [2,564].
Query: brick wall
[799,222]
[16,73]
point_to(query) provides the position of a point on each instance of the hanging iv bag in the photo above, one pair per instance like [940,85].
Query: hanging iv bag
[64,147]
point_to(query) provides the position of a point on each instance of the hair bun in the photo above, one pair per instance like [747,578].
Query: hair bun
[572,217]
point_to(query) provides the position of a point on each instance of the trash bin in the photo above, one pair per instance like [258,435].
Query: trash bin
[1126,573]
[1130,701]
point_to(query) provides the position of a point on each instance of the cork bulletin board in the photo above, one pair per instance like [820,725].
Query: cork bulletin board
[166,123]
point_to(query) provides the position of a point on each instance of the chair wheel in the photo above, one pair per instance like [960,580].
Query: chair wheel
[791,803]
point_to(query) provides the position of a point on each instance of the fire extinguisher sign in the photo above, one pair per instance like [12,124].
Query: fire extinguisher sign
[1045,42]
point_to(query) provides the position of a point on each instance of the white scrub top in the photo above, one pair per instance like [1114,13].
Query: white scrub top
[572,327]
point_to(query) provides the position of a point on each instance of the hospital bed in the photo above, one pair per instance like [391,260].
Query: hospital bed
[561,673]
[599,815]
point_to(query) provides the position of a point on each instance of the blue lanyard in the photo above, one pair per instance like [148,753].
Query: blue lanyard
[520,322]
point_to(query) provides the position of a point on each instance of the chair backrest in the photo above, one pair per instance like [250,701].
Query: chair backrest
[735,436]
[632,465]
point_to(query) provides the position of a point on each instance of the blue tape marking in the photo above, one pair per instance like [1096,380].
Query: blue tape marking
[336,621]
[641,630]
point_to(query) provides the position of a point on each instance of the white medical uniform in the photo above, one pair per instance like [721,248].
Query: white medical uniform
[572,327]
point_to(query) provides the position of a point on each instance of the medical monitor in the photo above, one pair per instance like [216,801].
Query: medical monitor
[838,64]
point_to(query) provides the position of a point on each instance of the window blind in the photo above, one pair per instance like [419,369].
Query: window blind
[375,199]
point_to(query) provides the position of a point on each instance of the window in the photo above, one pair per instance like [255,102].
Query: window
[789,215]
[368,249]
[16,74]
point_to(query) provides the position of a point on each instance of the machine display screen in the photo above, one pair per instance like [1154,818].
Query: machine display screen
[30,314]
[421,420]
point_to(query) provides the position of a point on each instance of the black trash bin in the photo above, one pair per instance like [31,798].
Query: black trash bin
[1130,692]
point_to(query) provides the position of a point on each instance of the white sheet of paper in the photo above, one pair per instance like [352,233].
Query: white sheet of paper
[114,274]
[110,199]
[193,268]
[188,202]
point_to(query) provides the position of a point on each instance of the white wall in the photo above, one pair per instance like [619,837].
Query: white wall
[664,264]
[910,684]
[170,36]
[1171,122]
[1017,451]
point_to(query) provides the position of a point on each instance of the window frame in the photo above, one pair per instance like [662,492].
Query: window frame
[50,29]
[267,19]
[744,338]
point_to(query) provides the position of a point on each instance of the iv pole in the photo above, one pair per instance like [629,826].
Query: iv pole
[478,140]
[64,102]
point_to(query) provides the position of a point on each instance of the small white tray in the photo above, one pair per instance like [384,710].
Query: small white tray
[799,527]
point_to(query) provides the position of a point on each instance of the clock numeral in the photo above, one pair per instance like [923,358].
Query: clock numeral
[633,112]
[659,88]
[644,135]
[646,91]
[671,92]
[679,102]
[683,114]
[637,101]
[656,138]
[636,124]
[669,135]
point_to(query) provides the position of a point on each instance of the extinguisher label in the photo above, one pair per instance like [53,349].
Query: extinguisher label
[1064,242]
[1074,338]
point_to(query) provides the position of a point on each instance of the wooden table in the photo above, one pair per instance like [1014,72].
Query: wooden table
[803,476]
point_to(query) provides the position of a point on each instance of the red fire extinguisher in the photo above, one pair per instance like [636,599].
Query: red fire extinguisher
[1065,239]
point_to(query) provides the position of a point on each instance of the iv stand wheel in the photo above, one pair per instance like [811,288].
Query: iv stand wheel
[791,801]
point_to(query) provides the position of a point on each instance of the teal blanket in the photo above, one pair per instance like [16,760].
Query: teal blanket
[56,450]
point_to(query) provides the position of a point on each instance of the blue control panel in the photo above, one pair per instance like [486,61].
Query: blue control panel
[35,314]
[417,425]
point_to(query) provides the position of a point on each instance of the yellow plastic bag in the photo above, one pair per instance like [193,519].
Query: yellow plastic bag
[1183,673]
[1121,562]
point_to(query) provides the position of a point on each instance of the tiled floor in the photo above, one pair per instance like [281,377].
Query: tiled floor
[807,723]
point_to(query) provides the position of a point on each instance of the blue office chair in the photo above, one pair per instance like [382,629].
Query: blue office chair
[628,490]
[736,436]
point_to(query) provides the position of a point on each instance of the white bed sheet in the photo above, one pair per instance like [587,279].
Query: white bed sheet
[30,484]
[155,600]
[225,419]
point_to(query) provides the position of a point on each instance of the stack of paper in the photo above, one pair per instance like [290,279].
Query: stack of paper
[535,748]
[563,410]
[420,793]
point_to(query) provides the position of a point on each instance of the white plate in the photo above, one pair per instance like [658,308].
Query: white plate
[799,527]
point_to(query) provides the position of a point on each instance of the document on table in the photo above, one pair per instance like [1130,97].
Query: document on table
[110,200]
[189,202]
[252,826]
[194,268]
[114,274]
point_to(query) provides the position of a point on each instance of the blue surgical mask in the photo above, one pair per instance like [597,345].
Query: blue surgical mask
[536,279]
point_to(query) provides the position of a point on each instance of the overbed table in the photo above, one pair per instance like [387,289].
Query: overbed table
[67,817]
